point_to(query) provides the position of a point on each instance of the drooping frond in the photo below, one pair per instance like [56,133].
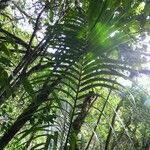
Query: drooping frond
[69,80]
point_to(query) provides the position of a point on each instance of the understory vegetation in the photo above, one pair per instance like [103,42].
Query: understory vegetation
[74,75]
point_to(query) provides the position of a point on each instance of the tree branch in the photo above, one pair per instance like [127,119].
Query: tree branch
[15,38]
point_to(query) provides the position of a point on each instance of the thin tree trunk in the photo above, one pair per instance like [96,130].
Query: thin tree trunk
[112,126]
[77,123]
[86,105]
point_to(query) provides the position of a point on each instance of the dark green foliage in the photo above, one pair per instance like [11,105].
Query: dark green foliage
[62,85]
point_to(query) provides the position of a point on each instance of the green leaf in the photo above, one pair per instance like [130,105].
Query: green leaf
[93,80]
[28,88]
[55,140]
[4,49]
[51,15]
[4,81]
[89,87]
[5,61]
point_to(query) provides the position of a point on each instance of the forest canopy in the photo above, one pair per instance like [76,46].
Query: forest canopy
[74,74]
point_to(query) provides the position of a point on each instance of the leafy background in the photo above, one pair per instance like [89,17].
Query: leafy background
[69,74]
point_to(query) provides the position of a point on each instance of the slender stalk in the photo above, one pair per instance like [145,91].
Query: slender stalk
[112,126]
[121,134]
[36,27]
[15,38]
[86,105]
[26,147]
[99,118]
[20,71]
[73,111]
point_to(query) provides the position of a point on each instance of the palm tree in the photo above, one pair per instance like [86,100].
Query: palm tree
[69,73]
